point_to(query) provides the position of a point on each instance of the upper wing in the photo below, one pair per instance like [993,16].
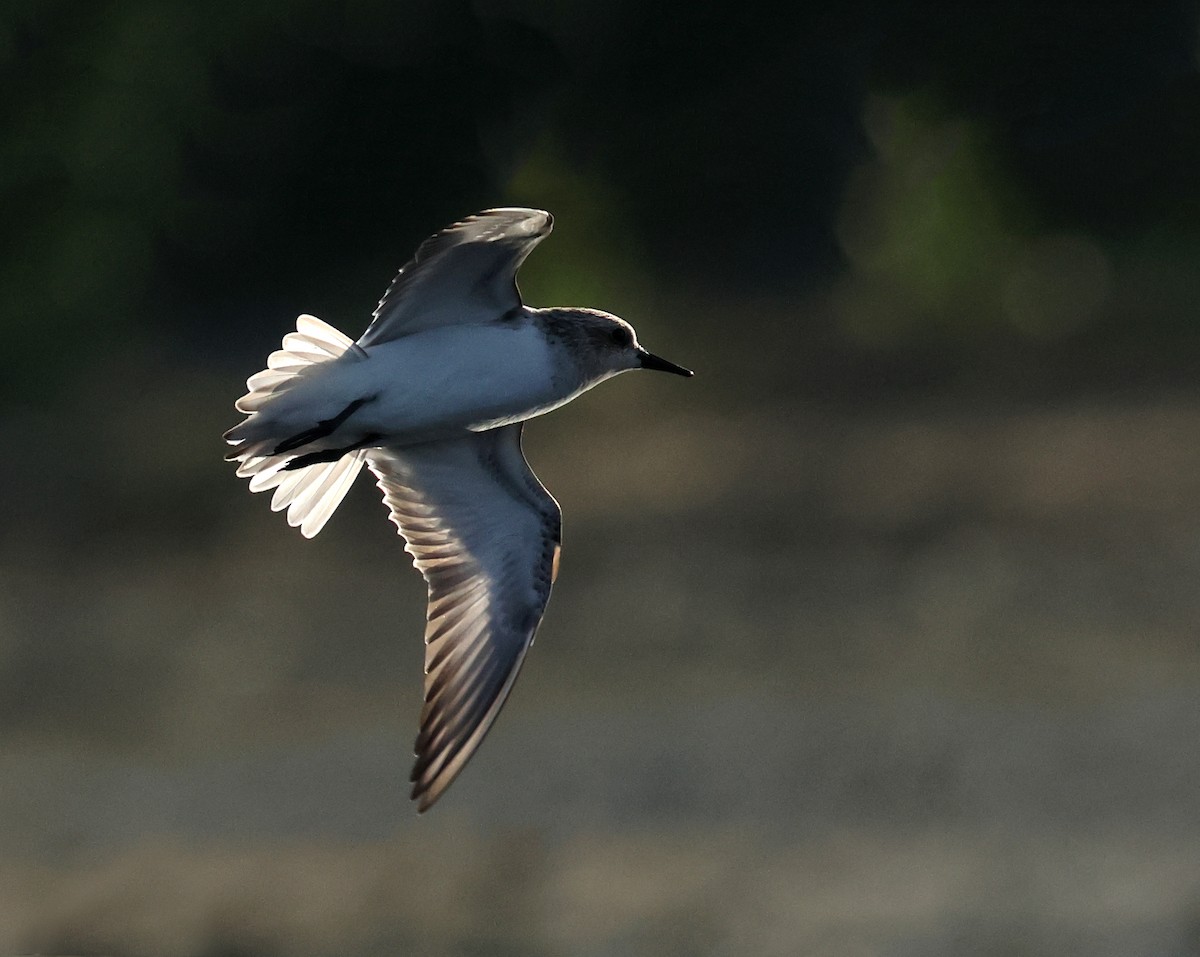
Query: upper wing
[466,271]
[485,534]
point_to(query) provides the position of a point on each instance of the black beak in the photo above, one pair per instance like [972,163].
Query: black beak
[650,361]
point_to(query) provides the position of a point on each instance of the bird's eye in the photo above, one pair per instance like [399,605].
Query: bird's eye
[621,337]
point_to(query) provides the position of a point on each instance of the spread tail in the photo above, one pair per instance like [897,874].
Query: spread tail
[312,493]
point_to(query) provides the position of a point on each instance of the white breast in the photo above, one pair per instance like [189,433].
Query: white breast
[454,378]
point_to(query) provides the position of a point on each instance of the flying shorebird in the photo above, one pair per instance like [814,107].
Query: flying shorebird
[432,398]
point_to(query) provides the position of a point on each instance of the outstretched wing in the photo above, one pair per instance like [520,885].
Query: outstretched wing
[464,275]
[485,534]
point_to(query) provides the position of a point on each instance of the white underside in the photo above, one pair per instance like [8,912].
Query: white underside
[423,387]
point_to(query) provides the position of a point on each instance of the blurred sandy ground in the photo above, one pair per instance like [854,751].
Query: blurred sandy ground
[907,678]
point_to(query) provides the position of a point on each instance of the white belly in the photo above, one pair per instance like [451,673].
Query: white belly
[446,380]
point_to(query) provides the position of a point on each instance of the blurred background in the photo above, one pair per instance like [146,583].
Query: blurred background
[878,637]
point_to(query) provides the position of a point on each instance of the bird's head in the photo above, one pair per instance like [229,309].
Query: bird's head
[601,344]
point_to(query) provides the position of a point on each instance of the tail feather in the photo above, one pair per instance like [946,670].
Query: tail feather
[320,509]
[311,494]
[287,485]
[313,341]
[264,473]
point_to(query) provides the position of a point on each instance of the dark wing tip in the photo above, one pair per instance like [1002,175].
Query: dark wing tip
[426,790]
[452,730]
[422,797]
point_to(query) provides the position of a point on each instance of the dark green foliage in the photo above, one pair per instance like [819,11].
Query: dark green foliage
[176,173]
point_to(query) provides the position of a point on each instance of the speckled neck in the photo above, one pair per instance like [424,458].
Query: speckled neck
[574,336]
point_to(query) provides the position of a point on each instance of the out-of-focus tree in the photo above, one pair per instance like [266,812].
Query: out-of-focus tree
[172,172]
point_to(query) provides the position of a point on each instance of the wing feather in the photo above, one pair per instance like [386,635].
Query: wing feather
[465,274]
[484,533]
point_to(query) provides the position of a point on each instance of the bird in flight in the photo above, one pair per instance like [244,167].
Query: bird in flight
[432,399]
